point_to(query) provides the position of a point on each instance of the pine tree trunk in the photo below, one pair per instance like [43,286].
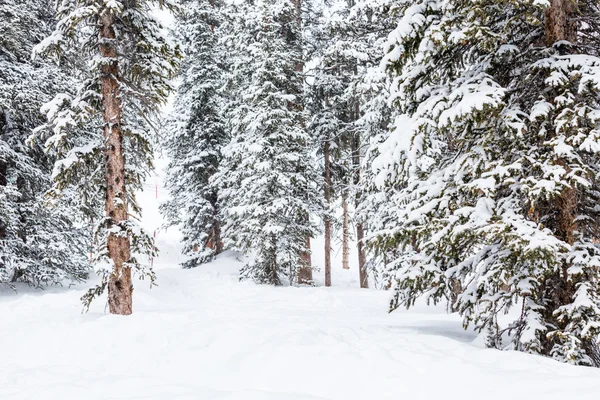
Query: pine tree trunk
[120,287]
[360,233]
[561,26]
[326,151]
[345,234]
[3,169]
[305,274]
[560,23]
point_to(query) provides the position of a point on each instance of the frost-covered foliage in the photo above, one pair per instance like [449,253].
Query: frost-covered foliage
[146,60]
[268,182]
[489,182]
[40,241]
[197,132]
[349,93]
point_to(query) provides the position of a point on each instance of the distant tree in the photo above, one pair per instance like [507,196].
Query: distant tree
[196,132]
[268,183]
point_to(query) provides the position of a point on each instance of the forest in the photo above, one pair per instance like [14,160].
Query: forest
[448,150]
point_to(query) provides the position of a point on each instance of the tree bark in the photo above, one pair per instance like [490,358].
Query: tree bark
[345,234]
[360,232]
[305,274]
[3,167]
[326,151]
[120,287]
[560,24]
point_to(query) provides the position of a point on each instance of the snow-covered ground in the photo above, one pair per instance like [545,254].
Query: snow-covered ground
[203,335]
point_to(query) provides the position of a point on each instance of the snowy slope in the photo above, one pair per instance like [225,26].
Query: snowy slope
[204,335]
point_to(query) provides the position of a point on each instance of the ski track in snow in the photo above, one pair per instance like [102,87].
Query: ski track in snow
[201,334]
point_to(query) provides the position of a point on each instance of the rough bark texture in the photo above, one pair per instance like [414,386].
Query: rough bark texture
[120,287]
[326,151]
[345,234]
[214,241]
[560,25]
[305,274]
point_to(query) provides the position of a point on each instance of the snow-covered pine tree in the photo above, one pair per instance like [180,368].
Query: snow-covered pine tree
[367,24]
[123,80]
[39,242]
[197,132]
[491,175]
[347,96]
[268,183]
[331,123]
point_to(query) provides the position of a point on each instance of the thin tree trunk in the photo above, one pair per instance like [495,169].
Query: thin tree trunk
[360,233]
[120,287]
[326,151]
[3,171]
[305,274]
[345,234]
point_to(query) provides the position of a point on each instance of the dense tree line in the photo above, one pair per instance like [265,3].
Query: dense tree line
[459,140]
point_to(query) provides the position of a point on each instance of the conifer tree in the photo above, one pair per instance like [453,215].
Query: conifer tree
[491,173]
[124,72]
[197,132]
[346,101]
[40,242]
[267,180]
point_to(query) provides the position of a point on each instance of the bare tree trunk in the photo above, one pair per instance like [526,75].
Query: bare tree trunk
[345,234]
[360,233]
[326,151]
[560,23]
[305,274]
[3,167]
[120,287]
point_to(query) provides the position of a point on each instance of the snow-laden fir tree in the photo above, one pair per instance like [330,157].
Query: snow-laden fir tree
[123,80]
[491,174]
[348,100]
[268,182]
[197,132]
[39,241]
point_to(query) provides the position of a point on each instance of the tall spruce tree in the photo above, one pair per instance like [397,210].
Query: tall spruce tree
[124,79]
[348,102]
[268,184]
[197,132]
[491,175]
[40,241]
